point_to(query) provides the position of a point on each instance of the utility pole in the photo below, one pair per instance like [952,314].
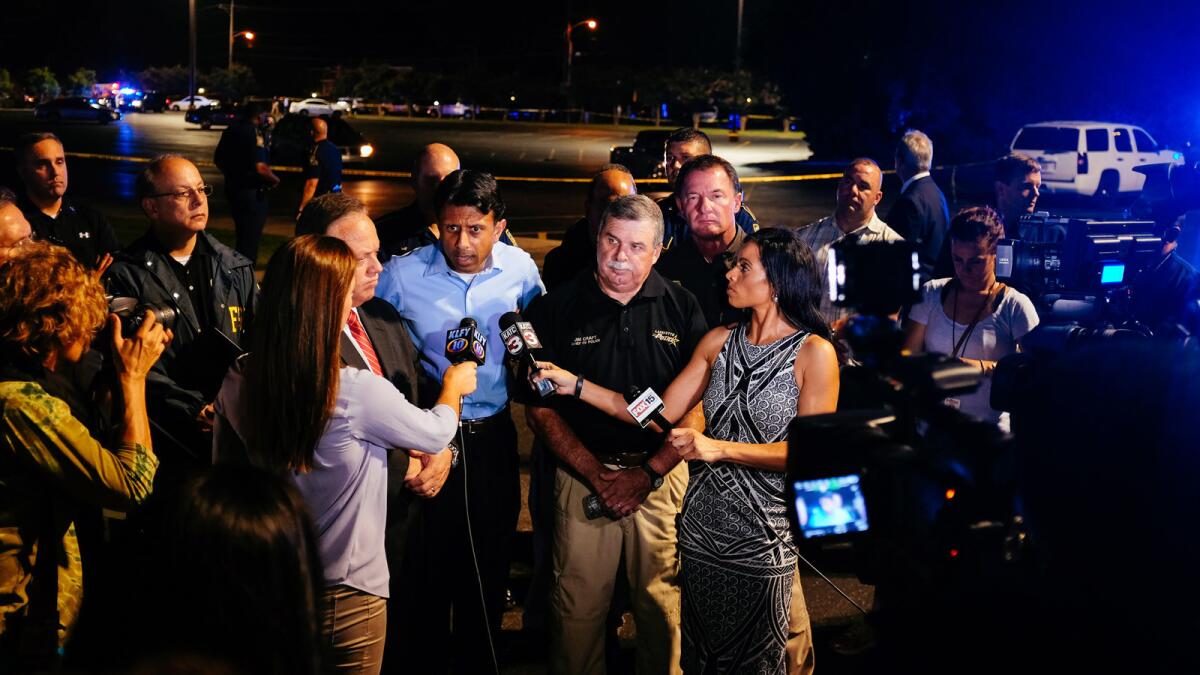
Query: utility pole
[737,56]
[230,66]
[192,53]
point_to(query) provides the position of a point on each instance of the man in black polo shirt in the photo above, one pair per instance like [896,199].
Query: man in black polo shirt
[323,174]
[624,326]
[709,196]
[681,146]
[42,165]
[577,253]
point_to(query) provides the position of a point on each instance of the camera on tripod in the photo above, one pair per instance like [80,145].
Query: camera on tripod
[1078,270]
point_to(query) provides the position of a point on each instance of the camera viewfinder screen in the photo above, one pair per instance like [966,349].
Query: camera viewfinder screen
[830,506]
[1112,273]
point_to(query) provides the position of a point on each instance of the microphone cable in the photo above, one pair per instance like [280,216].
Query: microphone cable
[462,460]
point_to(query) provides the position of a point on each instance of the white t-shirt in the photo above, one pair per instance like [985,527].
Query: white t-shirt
[995,336]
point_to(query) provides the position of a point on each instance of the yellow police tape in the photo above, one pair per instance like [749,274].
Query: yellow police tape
[371,173]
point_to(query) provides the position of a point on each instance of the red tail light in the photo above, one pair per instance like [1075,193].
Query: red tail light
[1081,164]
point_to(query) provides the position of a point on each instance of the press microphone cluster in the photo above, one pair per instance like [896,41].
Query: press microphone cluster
[466,343]
[522,344]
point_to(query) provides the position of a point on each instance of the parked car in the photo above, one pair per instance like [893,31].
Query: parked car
[312,107]
[292,139]
[220,115]
[645,157]
[1091,158]
[152,101]
[456,109]
[75,108]
[347,105]
[186,102]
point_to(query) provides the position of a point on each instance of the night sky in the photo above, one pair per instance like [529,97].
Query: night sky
[850,69]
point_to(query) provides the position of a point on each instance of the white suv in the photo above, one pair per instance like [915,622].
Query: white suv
[1091,158]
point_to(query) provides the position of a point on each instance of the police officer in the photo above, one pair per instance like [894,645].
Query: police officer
[323,172]
[681,146]
[55,218]
[622,326]
[416,225]
[242,156]
[212,290]
[710,197]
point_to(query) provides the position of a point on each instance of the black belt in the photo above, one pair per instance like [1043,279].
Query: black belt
[483,424]
[624,460]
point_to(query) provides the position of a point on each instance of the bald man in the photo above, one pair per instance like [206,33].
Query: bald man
[179,265]
[323,172]
[578,250]
[15,231]
[858,193]
[415,225]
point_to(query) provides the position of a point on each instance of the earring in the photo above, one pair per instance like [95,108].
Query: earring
[775,299]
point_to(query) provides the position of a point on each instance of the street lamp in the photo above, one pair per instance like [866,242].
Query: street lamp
[591,24]
[248,34]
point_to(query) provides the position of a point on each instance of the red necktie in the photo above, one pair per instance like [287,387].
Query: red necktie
[364,343]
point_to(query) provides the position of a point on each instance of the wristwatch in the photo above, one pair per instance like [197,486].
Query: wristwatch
[656,479]
[453,454]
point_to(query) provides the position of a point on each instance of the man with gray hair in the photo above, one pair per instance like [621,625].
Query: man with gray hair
[623,326]
[920,215]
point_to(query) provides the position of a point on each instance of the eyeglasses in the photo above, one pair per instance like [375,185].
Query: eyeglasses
[20,243]
[185,193]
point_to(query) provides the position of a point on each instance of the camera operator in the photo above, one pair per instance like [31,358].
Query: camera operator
[971,316]
[1168,292]
[211,289]
[50,461]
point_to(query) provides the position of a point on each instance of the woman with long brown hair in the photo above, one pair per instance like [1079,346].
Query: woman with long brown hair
[292,407]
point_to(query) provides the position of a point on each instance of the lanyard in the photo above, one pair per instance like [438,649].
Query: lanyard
[961,344]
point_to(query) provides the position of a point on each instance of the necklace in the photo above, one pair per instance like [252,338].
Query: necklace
[959,346]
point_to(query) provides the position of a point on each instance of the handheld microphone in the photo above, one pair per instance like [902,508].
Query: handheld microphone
[519,341]
[466,343]
[644,407]
[647,406]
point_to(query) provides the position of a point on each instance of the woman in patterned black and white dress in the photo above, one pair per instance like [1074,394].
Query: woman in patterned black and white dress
[738,559]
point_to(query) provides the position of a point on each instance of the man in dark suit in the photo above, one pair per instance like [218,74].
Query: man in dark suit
[375,339]
[920,215]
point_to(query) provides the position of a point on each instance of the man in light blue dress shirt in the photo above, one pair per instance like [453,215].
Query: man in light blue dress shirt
[469,273]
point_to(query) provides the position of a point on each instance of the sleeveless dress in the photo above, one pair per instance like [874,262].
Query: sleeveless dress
[737,556]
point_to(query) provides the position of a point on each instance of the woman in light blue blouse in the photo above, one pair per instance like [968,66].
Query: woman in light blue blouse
[291,406]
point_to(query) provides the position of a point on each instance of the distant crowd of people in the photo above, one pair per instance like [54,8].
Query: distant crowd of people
[313,475]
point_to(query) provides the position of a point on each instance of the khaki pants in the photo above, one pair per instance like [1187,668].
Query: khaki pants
[586,556]
[355,624]
[799,649]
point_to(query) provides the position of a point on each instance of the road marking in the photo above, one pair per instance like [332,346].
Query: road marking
[380,173]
